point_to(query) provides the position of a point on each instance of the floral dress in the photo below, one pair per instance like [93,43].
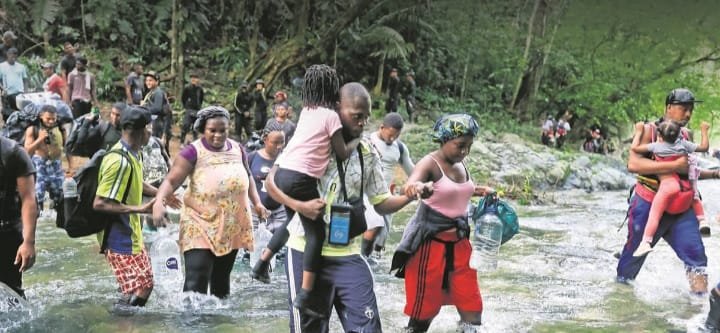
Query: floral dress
[219,184]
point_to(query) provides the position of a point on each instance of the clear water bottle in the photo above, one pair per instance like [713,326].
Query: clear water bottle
[69,187]
[165,258]
[486,240]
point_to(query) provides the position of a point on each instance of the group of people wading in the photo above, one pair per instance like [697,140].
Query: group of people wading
[328,174]
[327,169]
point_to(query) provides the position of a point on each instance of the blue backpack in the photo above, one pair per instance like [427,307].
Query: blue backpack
[505,212]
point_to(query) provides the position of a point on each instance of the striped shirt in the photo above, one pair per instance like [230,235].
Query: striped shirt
[113,181]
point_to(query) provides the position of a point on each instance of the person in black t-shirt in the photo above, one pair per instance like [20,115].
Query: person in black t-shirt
[135,86]
[18,214]
[243,118]
[393,90]
[261,104]
[192,100]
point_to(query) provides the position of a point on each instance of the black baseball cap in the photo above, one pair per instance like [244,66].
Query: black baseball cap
[135,117]
[681,96]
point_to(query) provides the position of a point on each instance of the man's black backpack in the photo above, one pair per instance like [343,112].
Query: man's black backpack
[81,219]
[19,121]
[87,137]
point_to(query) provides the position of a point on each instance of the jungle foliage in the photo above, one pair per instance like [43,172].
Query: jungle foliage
[510,62]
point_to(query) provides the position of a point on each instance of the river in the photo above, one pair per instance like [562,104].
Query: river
[556,275]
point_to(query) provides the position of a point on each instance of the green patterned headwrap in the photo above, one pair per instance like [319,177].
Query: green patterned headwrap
[453,126]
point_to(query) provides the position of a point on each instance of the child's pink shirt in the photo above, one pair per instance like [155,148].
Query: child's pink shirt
[309,149]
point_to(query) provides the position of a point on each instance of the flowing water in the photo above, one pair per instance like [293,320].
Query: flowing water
[557,275]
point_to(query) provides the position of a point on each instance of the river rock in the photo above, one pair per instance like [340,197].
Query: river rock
[510,160]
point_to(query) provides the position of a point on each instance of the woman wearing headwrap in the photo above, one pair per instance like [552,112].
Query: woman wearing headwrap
[216,219]
[434,253]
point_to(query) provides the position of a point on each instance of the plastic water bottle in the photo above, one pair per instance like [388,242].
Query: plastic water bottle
[69,187]
[165,258]
[486,240]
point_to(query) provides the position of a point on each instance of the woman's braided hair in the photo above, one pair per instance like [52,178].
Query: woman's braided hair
[321,87]
[269,128]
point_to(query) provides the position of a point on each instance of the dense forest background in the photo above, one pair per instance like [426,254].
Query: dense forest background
[509,62]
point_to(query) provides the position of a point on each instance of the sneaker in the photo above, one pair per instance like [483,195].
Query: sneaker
[261,271]
[302,303]
[643,249]
[704,228]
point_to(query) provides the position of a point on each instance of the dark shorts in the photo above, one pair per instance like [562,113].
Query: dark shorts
[345,283]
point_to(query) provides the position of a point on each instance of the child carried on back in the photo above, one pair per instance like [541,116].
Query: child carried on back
[670,146]
[302,163]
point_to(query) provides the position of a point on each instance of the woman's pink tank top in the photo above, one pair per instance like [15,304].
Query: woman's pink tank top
[450,198]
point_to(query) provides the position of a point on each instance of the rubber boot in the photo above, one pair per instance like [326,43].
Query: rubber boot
[712,323]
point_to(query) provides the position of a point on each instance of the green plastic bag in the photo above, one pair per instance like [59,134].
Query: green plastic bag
[505,212]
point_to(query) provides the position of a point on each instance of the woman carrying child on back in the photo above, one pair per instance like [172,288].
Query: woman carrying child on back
[671,147]
[301,164]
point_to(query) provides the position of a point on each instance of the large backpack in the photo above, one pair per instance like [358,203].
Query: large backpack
[91,143]
[64,114]
[81,219]
[19,121]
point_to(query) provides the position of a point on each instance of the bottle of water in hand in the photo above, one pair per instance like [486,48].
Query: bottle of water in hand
[486,239]
[165,258]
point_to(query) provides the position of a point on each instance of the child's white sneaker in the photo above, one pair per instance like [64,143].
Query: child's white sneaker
[643,249]
[704,228]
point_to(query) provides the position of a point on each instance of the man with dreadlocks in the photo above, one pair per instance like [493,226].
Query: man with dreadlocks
[302,163]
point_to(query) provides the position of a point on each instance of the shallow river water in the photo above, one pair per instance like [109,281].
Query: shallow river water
[557,275]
